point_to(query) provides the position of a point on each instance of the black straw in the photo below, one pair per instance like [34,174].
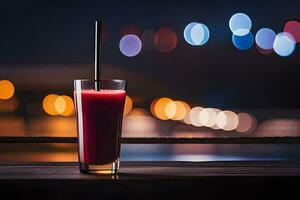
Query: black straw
[98,53]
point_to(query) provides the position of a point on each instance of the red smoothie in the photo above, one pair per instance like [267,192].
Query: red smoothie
[99,125]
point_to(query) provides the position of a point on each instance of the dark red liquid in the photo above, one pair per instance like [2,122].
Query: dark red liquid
[101,117]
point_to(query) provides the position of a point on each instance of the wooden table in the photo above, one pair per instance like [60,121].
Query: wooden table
[154,180]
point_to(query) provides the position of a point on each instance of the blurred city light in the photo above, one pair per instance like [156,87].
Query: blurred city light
[69,106]
[208,117]
[128,105]
[243,42]
[284,44]
[181,110]
[170,109]
[246,123]
[49,104]
[293,28]
[130,45]
[187,33]
[215,126]
[194,116]
[264,38]
[152,107]
[58,105]
[186,118]
[7,89]
[159,108]
[196,34]
[166,39]
[240,24]
[131,29]
[232,120]
[221,119]
[139,124]
[279,127]
[148,39]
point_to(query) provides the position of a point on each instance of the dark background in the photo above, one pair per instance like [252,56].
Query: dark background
[216,74]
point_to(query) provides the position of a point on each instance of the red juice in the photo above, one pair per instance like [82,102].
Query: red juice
[99,123]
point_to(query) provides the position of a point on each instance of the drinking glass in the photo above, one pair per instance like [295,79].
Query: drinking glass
[99,106]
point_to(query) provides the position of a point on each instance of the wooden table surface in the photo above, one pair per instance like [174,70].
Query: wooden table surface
[154,180]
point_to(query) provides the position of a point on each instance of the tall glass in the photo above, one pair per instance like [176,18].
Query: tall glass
[99,110]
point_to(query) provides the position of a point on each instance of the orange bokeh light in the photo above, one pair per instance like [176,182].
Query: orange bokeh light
[58,105]
[160,108]
[7,89]
[181,110]
[128,105]
[69,106]
[49,104]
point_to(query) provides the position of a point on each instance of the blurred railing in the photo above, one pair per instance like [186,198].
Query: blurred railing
[160,140]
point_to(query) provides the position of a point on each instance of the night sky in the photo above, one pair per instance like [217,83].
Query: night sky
[216,74]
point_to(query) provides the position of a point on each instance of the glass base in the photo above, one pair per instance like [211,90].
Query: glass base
[109,169]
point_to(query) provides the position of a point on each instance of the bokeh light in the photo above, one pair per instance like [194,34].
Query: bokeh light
[232,120]
[60,104]
[7,89]
[181,110]
[246,122]
[196,34]
[170,109]
[221,119]
[128,105]
[264,38]
[139,124]
[152,107]
[130,45]
[243,42]
[187,33]
[131,29]
[284,44]
[160,108]
[166,39]
[208,117]
[186,118]
[194,116]
[69,106]
[293,28]
[240,24]
[215,126]
[148,39]
[49,104]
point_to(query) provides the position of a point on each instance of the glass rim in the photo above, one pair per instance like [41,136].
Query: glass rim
[101,80]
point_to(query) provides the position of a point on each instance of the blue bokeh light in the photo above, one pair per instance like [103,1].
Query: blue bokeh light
[130,45]
[240,24]
[187,33]
[264,38]
[284,44]
[243,42]
[196,34]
